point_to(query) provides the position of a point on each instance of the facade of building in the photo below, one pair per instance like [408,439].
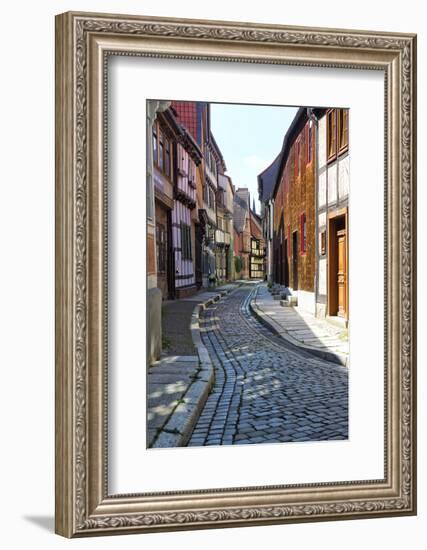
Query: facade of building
[305,210]
[154,293]
[333,213]
[266,183]
[294,213]
[189,115]
[163,178]
[195,117]
[242,233]
[223,236]
[184,215]
[249,243]
[257,253]
[175,158]
[189,208]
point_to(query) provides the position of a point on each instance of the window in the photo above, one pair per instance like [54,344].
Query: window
[342,130]
[213,164]
[337,129]
[161,151]
[161,247]
[167,158]
[185,241]
[219,198]
[190,170]
[331,122]
[297,157]
[211,199]
[303,234]
[255,247]
[155,148]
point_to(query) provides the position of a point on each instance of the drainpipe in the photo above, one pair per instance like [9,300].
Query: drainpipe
[313,118]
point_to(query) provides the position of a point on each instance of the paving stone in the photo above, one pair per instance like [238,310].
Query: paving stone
[264,391]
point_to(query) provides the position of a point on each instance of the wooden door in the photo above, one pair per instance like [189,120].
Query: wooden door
[342,273]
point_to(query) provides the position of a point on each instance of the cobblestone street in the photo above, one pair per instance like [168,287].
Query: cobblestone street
[265,391]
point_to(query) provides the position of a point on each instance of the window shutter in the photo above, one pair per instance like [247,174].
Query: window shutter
[345,129]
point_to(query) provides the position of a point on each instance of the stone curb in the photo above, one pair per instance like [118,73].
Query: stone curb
[332,356]
[179,427]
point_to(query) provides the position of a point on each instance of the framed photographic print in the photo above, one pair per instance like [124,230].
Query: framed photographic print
[235,274]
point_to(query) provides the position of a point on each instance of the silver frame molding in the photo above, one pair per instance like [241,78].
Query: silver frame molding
[83,43]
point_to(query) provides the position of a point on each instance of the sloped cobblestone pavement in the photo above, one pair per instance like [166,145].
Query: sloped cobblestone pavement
[265,391]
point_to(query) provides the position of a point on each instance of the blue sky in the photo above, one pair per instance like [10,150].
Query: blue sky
[250,137]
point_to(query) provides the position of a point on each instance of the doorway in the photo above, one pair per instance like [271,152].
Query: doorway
[286,266]
[198,266]
[295,260]
[338,266]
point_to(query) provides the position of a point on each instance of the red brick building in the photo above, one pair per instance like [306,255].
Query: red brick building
[294,255]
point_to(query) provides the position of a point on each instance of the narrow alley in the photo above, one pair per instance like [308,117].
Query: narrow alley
[264,390]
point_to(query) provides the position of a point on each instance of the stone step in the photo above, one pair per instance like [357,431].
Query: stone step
[291,301]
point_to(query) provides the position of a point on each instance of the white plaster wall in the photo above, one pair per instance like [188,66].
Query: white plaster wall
[320,311]
[322,276]
[306,301]
[332,184]
[321,197]
[322,221]
[344,177]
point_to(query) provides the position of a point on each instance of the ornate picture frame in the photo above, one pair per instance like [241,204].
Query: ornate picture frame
[83,43]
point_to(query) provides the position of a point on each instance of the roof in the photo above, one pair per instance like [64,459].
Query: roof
[182,134]
[257,218]
[294,129]
[256,225]
[187,115]
[241,208]
[267,180]
[217,151]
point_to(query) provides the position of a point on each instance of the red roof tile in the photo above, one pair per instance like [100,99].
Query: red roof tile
[187,115]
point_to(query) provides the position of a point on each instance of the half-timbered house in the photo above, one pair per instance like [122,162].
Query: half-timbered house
[184,214]
[333,213]
[257,253]
[249,243]
[175,158]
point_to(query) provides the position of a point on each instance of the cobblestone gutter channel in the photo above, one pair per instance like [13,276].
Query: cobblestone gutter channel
[293,343]
[264,390]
